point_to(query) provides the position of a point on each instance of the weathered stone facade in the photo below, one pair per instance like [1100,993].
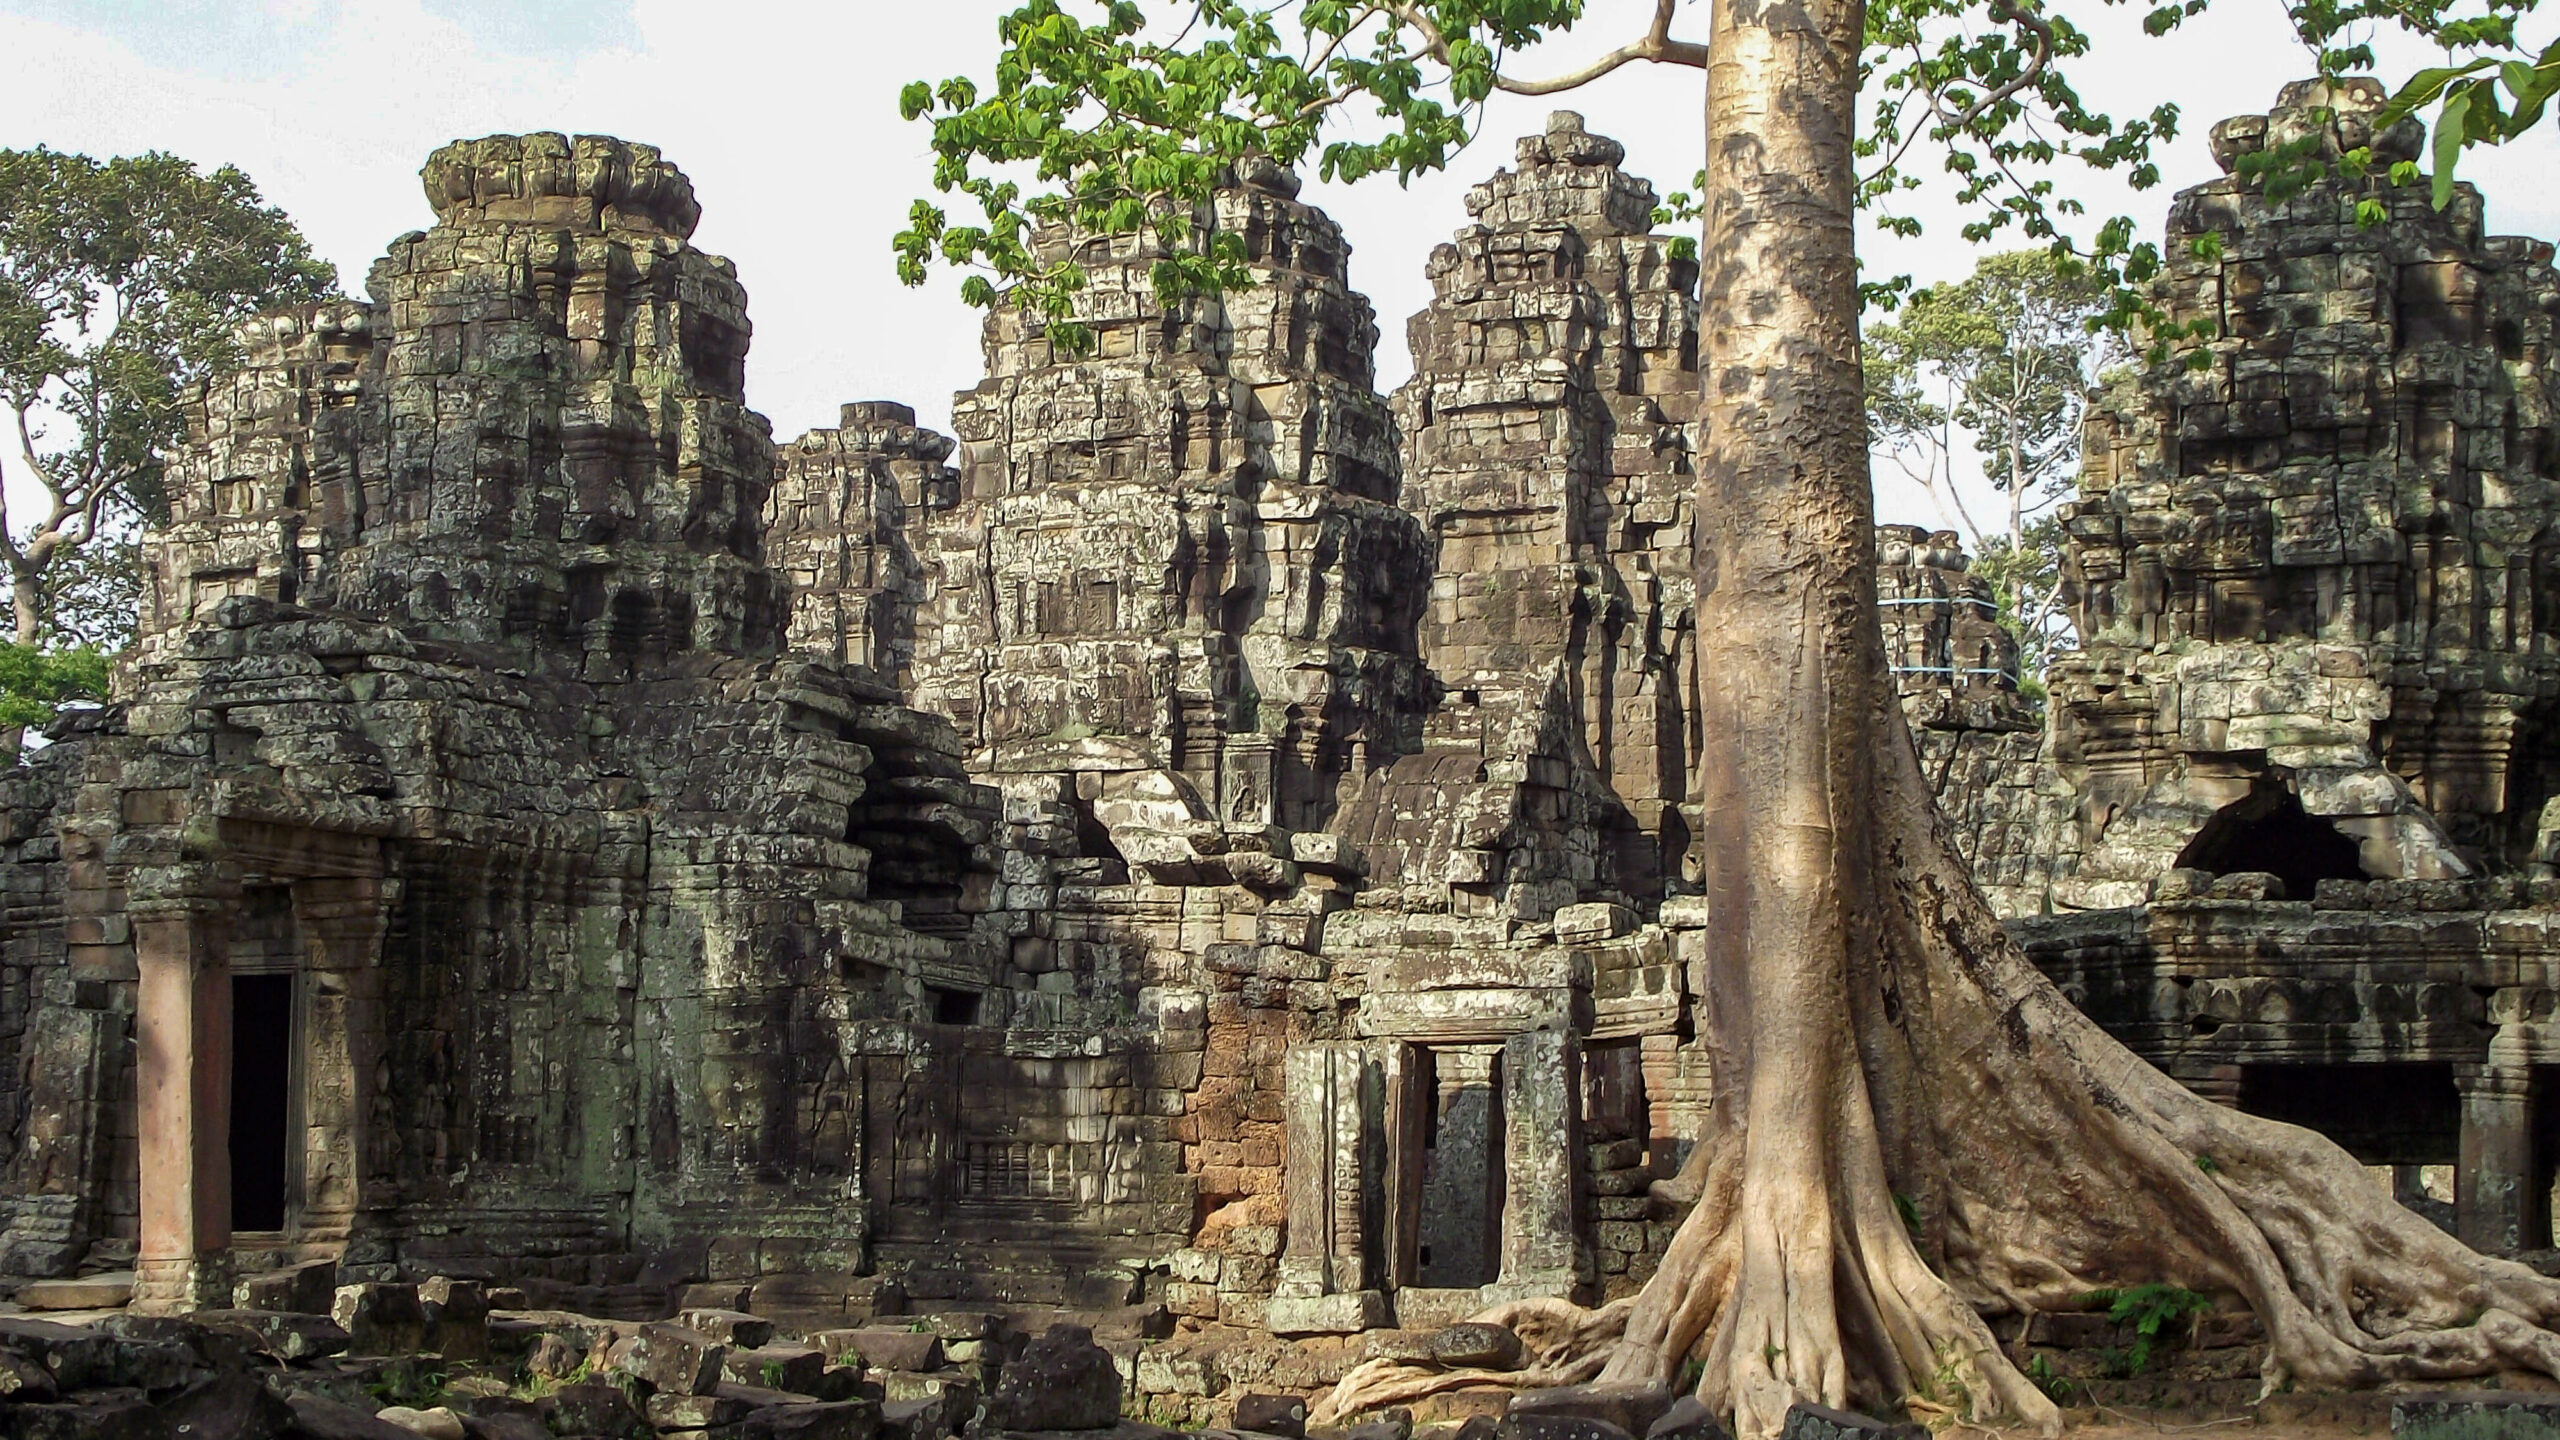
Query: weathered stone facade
[659,856]
[2291,820]
[2324,563]
[1208,833]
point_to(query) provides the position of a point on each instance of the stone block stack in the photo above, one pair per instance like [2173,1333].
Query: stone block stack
[1208,839]
[2323,564]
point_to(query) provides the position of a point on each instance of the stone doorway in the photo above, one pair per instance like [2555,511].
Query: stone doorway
[1459,1231]
[262,1047]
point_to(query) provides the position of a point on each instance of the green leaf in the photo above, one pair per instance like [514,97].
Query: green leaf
[2450,130]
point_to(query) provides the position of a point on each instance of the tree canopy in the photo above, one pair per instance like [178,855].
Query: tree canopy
[1117,117]
[2005,355]
[121,283]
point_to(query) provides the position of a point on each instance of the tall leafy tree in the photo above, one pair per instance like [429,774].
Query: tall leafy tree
[121,283]
[1909,1120]
[2005,355]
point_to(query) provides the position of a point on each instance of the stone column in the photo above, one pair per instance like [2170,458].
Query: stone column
[183,1042]
[1328,1272]
[2494,1205]
[341,921]
[1542,1140]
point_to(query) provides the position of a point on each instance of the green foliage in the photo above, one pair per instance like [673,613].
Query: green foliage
[2057,1388]
[121,284]
[1909,1210]
[534,1387]
[2008,354]
[2491,89]
[406,1384]
[36,684]
[1947,1393]
[2208,1165]
[2149,1309]
[1122,119]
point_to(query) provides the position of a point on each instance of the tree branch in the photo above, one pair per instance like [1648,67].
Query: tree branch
[2043,33]
[1656,46]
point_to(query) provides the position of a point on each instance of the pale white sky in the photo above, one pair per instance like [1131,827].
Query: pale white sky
[785,117]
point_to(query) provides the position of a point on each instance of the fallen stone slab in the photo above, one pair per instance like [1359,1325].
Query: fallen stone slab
[1475,1345]
[1282,1415]
[1060,1381]
[1816,1422]
[80,1358]
[217,1350]
[305,1289]
[75,1357]
[1630,1405]
[1117,1430]
[109,1291]
[291,1336]
[1687,1419]
[114,1419]
[671,1359]
[798,1369]
[695,1412]
[457,1316]
[381,1317]
[957,1395]
[438,1423]
[963,1324]
[734,1328]
[500,1417]
[24,1381]
[320,1418]
[1394,1424]
[912,1420]
[824,1420]
[1558,1427]
[505,1426]
[2476,1415]
[235,1406]
[882,1348]
[592,1407]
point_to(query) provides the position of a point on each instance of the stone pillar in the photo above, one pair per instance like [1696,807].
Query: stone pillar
[341,922]
[1328,1280]
[1542,1139]
[183,1042]
[2494,1205]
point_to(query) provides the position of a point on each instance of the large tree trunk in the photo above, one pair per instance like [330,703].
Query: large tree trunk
[1879,1043]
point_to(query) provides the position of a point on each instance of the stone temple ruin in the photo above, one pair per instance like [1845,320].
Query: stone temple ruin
[1207,834]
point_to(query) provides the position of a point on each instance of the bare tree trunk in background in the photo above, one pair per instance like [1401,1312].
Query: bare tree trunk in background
[26,605]
[1880,1045]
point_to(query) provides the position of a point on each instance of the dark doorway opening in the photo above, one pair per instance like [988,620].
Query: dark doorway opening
[1459,1244]
[2391,1113]
[953,1007]
[2268,832]
[261,1077]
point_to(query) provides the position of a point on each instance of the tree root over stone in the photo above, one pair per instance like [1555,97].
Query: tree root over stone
[2041,1160]
[2070,1165]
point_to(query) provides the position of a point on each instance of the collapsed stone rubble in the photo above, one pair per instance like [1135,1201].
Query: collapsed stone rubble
[576,888]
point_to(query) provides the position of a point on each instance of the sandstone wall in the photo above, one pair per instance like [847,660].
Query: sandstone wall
[2318,573]
[1207,833]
